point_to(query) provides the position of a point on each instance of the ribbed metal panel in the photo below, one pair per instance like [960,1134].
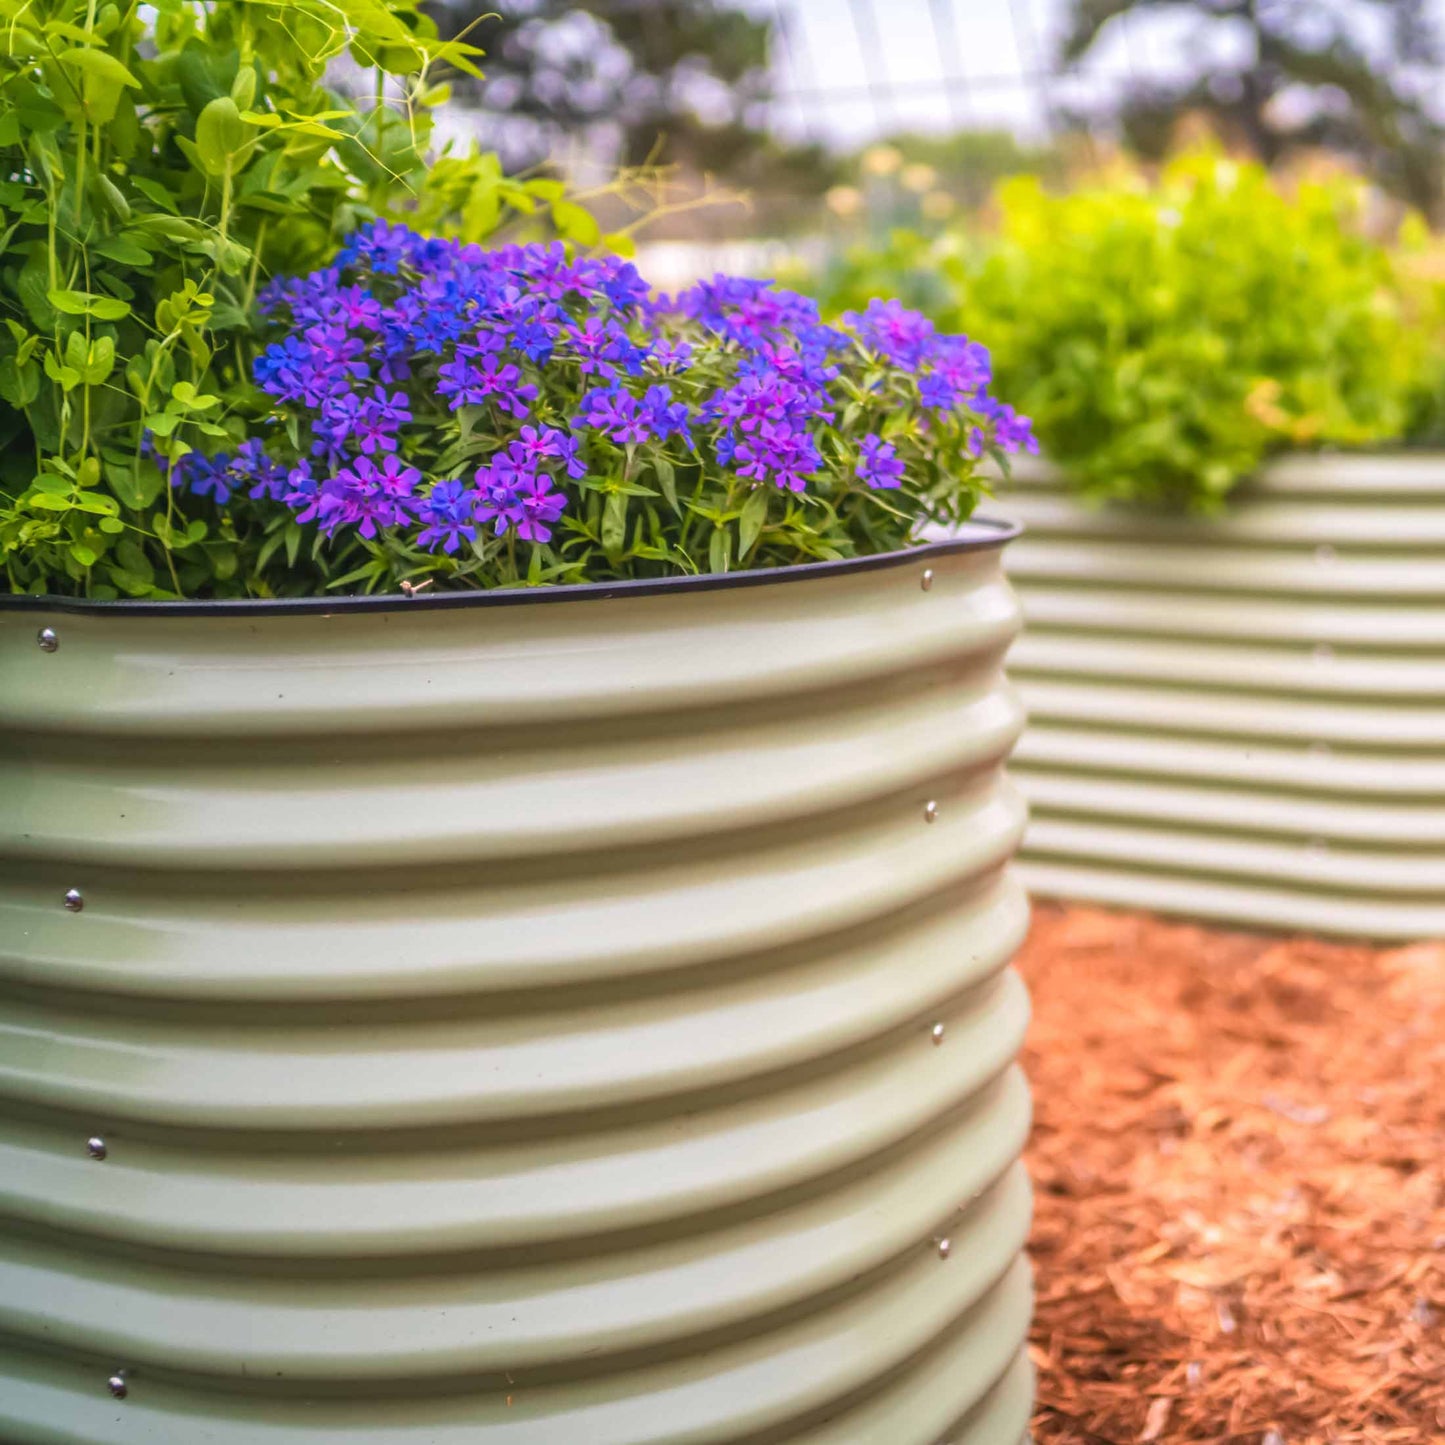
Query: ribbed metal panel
[1241,719]
[517,1023]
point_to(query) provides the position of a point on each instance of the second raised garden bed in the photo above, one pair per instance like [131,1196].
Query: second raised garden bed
[1241,719]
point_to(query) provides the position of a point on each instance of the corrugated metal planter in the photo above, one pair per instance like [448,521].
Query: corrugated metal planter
[576,1018]
[1242,719]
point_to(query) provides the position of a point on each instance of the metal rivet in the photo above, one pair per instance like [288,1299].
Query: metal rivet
[944,1247]
[927,580]
[73,900]
[937,1032]
[46,639]
[930,811]
[95,1147]
[117,1385]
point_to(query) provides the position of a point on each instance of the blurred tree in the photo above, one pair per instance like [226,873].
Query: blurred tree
[678,81]
[1282,75]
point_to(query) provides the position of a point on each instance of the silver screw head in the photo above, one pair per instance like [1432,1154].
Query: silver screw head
[930,811]
[74,902]
[944,1249]
[95,1147]
[936,1033]
[926,581]
[117,1385]
[46,640]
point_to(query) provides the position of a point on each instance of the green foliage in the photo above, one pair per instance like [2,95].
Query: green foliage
[1166,338]
[158,165]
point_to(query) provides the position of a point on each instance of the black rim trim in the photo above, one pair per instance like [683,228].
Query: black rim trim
[982,534]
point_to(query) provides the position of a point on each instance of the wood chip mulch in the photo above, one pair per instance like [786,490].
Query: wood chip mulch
[1239,1159]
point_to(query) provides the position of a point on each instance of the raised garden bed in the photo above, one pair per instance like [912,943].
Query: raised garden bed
[571,1015]
[1241,719]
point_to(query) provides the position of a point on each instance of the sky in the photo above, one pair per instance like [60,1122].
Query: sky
[986,64]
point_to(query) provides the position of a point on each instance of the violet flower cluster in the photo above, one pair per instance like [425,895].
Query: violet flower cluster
[432,405]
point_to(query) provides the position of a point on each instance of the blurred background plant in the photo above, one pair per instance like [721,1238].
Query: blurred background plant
[1166,336]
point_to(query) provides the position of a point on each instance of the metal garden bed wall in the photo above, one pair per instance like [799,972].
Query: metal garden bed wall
[1241,719]
[573,1024]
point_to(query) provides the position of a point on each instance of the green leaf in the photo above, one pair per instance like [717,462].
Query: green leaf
[719,549]
[87,303]
[614,522]
[99,63]
[220,134]
[136,483]
[120,248]
[750,523]
[67,376]
[155,192]
[575,223]
[130,556]
[19,384]
[114,197]
[72,303]
[667,481]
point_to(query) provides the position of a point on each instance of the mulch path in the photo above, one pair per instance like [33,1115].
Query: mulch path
[1239,1159]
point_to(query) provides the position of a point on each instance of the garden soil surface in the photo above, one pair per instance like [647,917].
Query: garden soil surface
[1239,1159]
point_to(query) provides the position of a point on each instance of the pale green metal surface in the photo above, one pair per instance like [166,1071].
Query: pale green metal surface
[1241,719]
[516,1024]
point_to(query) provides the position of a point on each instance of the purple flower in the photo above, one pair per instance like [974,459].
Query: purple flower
[535,445]
[890,328]
[472,383]
[369,497]
[516,497]
[666,417]
[449,512]
[375,351]
[536,508]
[602,347]
[616,412]
[671,355]
[379,418]
[571,458]
[878,467]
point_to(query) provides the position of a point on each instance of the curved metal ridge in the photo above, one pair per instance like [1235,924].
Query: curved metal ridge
[504,808]
[556,1024]
[1401,829]
[1242,717]
[554,1318]
[786,1380]
[1251,903]
[439,1074]
[1329,772]
[282,677]
[1257,571]
[540,933]
[1320,670]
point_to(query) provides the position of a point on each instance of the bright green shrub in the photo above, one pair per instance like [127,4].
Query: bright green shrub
[1166,338]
